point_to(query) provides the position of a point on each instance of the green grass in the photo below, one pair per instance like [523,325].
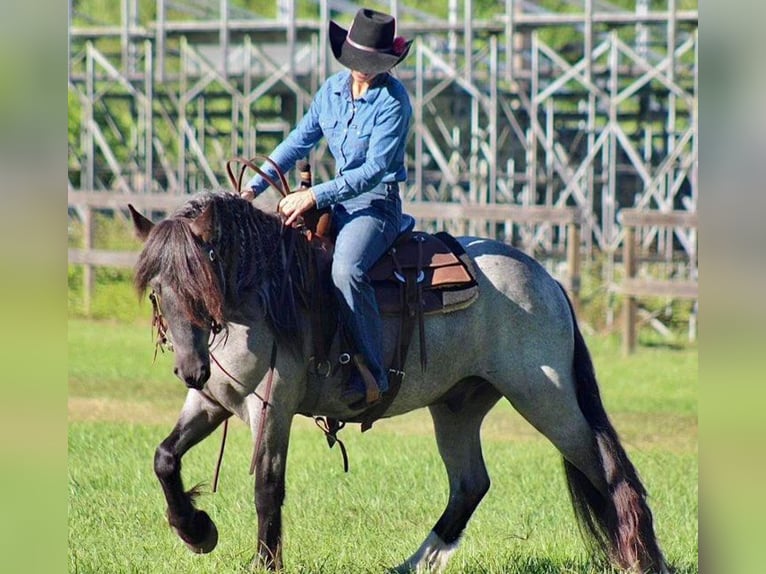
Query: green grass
[121,406]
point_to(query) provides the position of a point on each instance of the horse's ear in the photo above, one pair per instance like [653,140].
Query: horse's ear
[202,225]
[141,224]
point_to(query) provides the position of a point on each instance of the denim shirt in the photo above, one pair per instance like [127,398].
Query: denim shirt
[366,137]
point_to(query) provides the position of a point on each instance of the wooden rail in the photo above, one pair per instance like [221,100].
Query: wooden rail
[86,201]
[633,288]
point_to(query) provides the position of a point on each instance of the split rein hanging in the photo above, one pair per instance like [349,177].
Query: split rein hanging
[160,324]
[162,340]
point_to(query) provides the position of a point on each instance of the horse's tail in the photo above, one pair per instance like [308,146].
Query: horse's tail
[621,523]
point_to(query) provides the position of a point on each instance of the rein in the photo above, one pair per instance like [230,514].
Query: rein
[160,324]
[264,402]
[161,340]
[236,182]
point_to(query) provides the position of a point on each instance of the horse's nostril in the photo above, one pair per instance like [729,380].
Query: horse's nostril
[193,383]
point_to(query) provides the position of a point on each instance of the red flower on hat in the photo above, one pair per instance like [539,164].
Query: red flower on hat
[399,45]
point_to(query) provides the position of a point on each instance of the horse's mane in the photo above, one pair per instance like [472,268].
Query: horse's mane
[250,255]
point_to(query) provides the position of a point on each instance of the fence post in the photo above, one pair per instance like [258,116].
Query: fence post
[629,304]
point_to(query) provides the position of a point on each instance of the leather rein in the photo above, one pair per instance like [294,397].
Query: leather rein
[162,340]
[236,181]
[159,323]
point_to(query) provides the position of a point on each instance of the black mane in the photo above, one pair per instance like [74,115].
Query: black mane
[251,250]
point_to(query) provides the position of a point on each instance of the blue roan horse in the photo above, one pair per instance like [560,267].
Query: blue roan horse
[220,263]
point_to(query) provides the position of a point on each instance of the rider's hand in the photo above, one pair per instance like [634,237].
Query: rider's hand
[296,204]
[247,194]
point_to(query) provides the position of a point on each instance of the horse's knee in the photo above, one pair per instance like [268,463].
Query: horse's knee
[471,492]
[479,489]
[166,464]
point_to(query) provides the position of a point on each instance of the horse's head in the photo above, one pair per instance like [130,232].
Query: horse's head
[180,266]
[219,259]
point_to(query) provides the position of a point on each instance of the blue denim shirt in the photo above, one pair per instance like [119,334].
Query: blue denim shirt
[366,137]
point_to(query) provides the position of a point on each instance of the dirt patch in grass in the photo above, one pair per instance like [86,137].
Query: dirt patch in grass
[111,410]
[667,431]
[673,432]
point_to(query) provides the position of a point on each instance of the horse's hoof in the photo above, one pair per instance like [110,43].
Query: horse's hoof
[202,536]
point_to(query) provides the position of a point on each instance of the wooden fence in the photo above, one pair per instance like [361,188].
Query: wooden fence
[87,201]
[633,287]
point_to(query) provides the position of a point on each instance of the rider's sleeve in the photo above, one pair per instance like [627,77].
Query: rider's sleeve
[297,145]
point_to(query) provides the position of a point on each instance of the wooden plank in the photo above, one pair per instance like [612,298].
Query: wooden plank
[102,257]
[659,288]
[629,337]
[118,200]
[638,217]
[497,212]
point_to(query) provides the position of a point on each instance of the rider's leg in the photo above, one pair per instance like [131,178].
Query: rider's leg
[363,237]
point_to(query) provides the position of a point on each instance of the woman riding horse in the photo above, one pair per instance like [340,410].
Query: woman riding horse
[364,113]
[218,263]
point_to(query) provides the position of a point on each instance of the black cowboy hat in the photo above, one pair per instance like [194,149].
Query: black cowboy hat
[370,44]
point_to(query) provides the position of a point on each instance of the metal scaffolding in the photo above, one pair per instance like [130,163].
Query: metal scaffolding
[594,108]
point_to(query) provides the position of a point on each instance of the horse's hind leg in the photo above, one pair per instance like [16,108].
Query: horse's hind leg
[607,495]
[457,429]
[199,417]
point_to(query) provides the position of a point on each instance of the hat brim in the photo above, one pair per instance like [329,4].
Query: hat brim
[361,60]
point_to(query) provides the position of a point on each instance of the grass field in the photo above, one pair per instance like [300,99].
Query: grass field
[121,406]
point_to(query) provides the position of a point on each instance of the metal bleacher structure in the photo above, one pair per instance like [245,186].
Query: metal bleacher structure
[520,114]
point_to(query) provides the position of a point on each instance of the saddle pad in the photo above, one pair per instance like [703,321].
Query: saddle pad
[448,279]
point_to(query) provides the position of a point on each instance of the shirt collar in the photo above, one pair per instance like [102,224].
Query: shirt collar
[342,86]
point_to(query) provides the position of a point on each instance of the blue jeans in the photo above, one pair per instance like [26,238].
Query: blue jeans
[366,227]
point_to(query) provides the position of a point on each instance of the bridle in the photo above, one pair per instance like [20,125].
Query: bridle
[158,320]
[159,323]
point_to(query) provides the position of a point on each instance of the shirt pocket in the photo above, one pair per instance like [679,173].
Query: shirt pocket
[359,138]
[330,126]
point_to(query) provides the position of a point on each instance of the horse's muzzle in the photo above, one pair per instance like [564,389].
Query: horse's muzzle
[194,378]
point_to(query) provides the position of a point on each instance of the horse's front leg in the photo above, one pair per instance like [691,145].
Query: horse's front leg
[199,417]
[271,440]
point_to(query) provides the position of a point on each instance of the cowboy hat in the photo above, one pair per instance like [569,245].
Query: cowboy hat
[370,44]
